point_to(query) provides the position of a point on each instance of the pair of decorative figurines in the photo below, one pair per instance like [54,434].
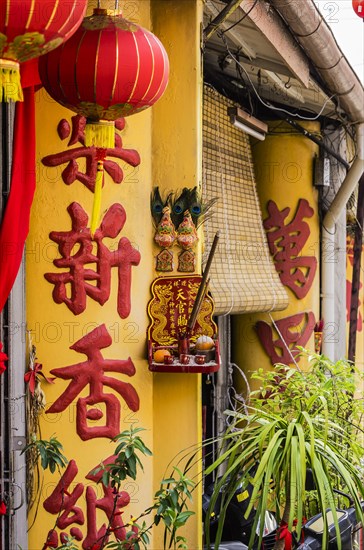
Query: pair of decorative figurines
[176,219]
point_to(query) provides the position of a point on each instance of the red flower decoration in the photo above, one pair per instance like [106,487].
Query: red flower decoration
[2,508]
[31,376]
[3,357]
[285,534]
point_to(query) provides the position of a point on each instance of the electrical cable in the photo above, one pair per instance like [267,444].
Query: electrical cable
[284,342]
[242,18]
[267,104]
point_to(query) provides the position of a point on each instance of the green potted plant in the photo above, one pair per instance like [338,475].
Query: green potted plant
[297,421]
[170,503]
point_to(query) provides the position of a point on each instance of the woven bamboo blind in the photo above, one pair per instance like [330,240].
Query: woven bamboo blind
[243,276]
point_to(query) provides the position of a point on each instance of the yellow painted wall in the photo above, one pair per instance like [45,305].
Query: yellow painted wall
[167,138]
[284,174]
[176,164]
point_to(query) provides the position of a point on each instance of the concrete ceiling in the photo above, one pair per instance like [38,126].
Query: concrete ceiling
[271,60]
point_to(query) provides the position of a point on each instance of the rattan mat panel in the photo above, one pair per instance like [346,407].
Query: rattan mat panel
[243,276]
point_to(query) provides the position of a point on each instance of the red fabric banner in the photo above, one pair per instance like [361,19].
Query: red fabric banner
[15,223]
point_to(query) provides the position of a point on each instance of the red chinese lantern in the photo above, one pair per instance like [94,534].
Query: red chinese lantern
[358,7]
[110,68]
[28,29]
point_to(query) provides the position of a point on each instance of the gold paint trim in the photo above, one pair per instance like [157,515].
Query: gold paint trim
[31,13]
[164,72]
[59,79]
[116,66]
[101,122]
[137,75]
[96,64]
[102,11]
[52,16]
[152,76]
[9,64]
[7,13]
[208,298]
[76,62]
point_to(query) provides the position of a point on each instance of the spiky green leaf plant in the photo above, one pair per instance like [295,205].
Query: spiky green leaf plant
[295,422]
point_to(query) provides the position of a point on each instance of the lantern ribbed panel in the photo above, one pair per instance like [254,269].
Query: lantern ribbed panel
[108,69]
[29,28]
[358,7]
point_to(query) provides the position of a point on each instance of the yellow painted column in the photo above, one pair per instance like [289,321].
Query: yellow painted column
[176,164]
[284,165]
[54,328]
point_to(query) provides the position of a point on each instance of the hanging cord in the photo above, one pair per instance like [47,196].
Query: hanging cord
[284,342]
[269,261]
[241,19]
[230,382]
[226,224]
[237,396]
[267,104]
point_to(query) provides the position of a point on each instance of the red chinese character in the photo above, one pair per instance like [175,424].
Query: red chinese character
[107,505]
[288,337]
[76,249]
[92,373]
[286,242]
[72,173]
[348,305]
[62,501]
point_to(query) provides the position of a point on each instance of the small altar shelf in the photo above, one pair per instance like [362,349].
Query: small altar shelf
[212,360]
[169,310]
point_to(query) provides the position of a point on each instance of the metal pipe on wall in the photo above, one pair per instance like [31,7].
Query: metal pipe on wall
[328,253]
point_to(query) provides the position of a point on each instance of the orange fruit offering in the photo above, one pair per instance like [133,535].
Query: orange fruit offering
[204,343]
[159,354]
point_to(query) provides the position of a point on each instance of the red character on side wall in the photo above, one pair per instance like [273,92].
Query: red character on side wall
[92,373]
[290,333]
[286,242]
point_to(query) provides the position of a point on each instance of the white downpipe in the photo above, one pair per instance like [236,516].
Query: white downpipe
[328,256]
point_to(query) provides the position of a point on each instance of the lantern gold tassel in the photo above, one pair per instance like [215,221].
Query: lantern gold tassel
[10,86]
[100,134]
[96,207]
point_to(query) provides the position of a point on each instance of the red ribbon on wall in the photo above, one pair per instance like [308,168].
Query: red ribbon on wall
[33,374]
[15,223]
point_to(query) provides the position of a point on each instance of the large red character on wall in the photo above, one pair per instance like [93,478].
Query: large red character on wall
[76,248]
[92,373]
[71,157]
[63,503]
